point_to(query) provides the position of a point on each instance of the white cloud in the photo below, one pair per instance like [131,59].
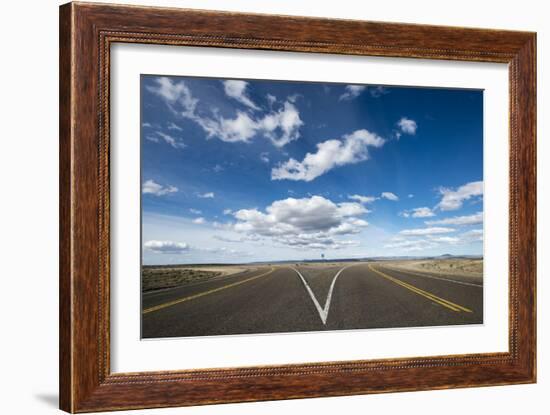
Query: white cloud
[195,211]
[363,199]
[271,99]
[313,222]
[227,239]
[407,126]
[152,138]
[453,199]
[475,235]
[174,142]
[146,125]
[237,90]
[280,126]
[378,91]
[264,157]
[390,196]
[426,231]
[166,247]
[199,221]
[154,188]
[227,211]
[445,239]
[420,240]
[474,219]
[411,245]
[174,93]
[352,91]
[207,195]
[421,212]
[172,126]
[178,248]
[352,149]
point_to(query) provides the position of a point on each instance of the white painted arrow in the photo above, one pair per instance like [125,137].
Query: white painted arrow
[323,311]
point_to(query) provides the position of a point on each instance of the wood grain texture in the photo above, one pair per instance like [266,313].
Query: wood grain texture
[86,33]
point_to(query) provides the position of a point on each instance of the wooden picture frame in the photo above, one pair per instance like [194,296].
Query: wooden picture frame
[86,33]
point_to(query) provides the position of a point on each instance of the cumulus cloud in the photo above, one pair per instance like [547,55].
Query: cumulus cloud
[280,124]
[314,222]
[454,199]
[199,221]
[407,126]
[153,188]
[421,212]
[426,231]
[390,196]
[330,154]
[352,91]
[264,157]
[474,219]
[363,199]
[195,211]
[237,90]
[207,195]
[175,93]
[166,247]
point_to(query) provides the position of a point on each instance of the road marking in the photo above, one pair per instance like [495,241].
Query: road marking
[445,303]
[214,290]
[434,277]
[214,279]
[323,311]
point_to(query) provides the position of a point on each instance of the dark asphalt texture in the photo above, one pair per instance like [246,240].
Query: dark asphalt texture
[279,302]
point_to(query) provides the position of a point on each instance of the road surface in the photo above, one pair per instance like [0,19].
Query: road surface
[311,298]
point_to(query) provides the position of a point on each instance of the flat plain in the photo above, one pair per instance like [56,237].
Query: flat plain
[311,296]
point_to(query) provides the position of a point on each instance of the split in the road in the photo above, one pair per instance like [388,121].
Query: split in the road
[323,311]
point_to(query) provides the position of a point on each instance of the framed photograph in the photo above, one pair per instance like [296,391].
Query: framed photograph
[260,207]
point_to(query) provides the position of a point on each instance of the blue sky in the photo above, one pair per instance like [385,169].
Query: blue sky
[250,170]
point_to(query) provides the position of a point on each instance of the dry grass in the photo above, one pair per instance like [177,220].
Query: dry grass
[451,267]
[155,278]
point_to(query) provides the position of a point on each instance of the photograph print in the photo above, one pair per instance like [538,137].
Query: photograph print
[274,206]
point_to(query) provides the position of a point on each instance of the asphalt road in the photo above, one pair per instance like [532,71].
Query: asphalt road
[311,298]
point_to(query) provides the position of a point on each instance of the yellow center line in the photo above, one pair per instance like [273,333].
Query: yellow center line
[446,303]
[192,297]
